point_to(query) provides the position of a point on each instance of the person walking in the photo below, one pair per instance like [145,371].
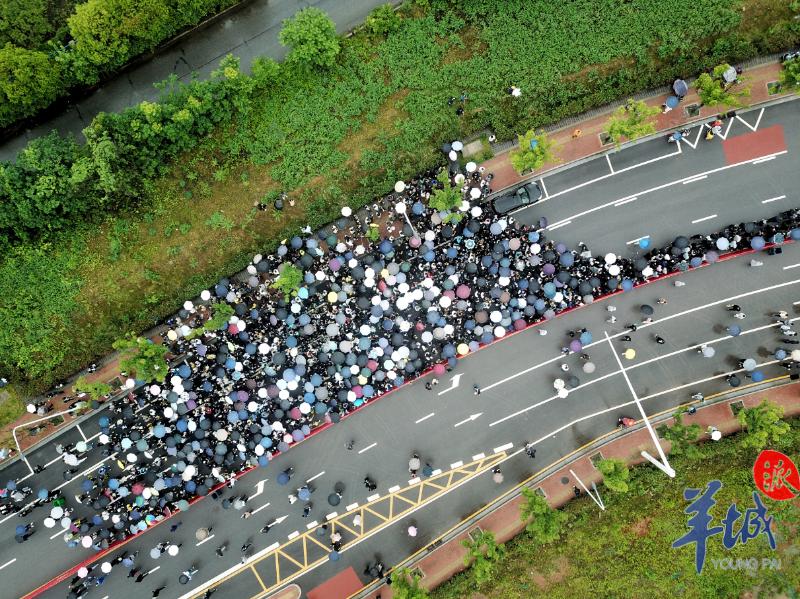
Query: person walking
[659,339]
[265,529]
[246,545]
[476,389]
[733,308]
[220,551]
[530,449]
[175,526]
[740,315]
[157,592]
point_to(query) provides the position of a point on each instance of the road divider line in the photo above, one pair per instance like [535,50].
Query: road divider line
[503,447]
[394,489]
[316,476]
[414,481]
[352,506]
[760,160]
[633,241]
[559,225]
[154,569]
[424,418]
[478,456]
[81,433]
[59,533]
[293,534]
[436,472]
[623,202]
[544,189]
[8,563]
[775,199]
[791,266]
[272,547]
[368,447]
[700,220]
[332,515]
[208,538]
[311,525]
[694,179]
[375,497]
[457,464]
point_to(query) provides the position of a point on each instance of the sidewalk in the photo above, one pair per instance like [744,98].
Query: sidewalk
[567,150]
[447,560]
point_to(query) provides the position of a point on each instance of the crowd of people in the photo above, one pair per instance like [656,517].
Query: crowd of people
[367,317]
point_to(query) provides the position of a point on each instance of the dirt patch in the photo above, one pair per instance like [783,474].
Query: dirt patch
[641,528]
[602,69]
[545,581]
[472,45]
[757,15]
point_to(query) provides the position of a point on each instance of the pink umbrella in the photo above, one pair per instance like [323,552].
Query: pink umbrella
[462,291]
[575,345]
[295,414]
[137,489]
[439,369]
[415,242]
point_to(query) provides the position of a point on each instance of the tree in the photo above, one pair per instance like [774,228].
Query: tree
[790,76]
[447,197]
[681,436]
[405,585]
[615,474]
[311,35]
[543,522]
[24,23]
[713,90]
[762,424]
[264,71]
[141,357]
[221,313]
[29,81]
[631,121]
[96,389]
[289,280]
[533,151]
[483,552]
[383,20]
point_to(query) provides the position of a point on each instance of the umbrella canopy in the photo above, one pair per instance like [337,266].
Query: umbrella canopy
[646,309]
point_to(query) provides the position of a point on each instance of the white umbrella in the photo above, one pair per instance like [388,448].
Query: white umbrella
[452,155]
[49,522]
[558,383]
[709,352]
[611,258]
[475,193]
[30,408]
[457,146]
[400,186]
[471,167]
[105,567]
[83,572]
[716,435]
[562,393]
[412,531]
[205,295]
[347,211]
[86,541]
[57,512]
[796,355]
[173,549]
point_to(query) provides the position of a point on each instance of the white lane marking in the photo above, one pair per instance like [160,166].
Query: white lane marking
[293,534]
[503,447]
[208,538]
[633,367]
[650,190]
[791,266]
[454,383]
[628,201]
[311,525]
[760,160]
[544,189]
[559,225]
[633,241]
[478,456]
[332,515]
[375,497]
[316,476]
[394,489]
[748,125]
[154,569]
[796,303]
[60,532]
[272,547]
[775,199]
[368,447]
[424,418]
[8,563]
[80,431]
[655,322]
[414,481]
[258,509]
[85,472]
[700,220]
[610,167]
[352,506]
[694,179]
[469,418]
[436,472]
[457,464]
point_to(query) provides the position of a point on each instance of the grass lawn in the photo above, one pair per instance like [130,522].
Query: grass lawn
[625,551]
[343,137]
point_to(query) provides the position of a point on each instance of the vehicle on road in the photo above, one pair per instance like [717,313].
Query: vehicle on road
[524,195]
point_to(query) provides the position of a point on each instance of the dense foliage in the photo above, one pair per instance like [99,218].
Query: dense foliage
[100,36]
[311,35]
[626,550]
[631,121]
[133,243]
[142,358]
[714,91]
[763,425]
[532,152]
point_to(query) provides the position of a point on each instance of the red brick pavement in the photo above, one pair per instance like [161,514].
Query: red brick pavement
[447,560]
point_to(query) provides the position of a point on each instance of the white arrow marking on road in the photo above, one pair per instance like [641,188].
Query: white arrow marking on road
[266,505]
[260,488]
[663,464]
[453,385]
[278,520]
[470,419]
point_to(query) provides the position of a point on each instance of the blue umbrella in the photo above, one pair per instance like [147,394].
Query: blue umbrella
[586,338]
[757,242]
[283,478]
[734,330]
[780,354]
[672,101]
[304,494]
[333,556]
[86,484]
[757,376]
[11,485]
[43,494]
[21,529]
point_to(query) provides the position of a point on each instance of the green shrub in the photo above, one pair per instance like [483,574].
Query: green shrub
[29,82]
[383,20]
[311,36]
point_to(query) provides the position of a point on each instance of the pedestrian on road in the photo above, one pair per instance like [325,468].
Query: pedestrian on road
[659,339]
[530,449]
[565,367]
[740,315]
[662,301]
[497,475]
[369,484]
[247,514]
[157,592]
[142,575]
[221,549]
[576,491]
[349,445]
[679,283]
[434,381]
[246,545]
[175,526]
[733,308]
[631,327]
[428,386]
[307,510]
[266,527]
[612,319]
[133,572]
[476,389]
[209,592]
[611,308]
[625,338]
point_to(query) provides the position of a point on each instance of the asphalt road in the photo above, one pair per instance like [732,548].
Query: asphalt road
[250,32]
[518,402]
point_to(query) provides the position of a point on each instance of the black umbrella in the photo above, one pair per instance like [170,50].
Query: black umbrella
[646,309]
